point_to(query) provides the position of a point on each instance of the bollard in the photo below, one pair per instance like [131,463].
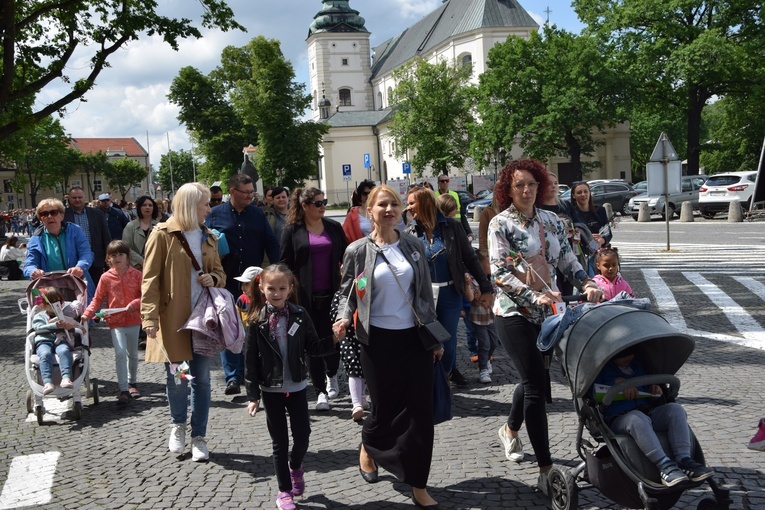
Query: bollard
[735,213]
[643,214]
[609,210]
[686,211]
[477,210]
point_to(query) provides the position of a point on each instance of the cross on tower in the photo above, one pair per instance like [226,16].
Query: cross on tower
[547,11]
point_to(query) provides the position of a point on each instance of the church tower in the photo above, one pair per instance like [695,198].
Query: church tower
[339,59]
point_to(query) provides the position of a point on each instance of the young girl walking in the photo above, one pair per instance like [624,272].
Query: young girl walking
[121,287]
[280,336]
[609,279]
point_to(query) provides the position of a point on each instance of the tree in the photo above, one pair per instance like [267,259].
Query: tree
[124,174]
[40,37]
[47,158]
[218,131]
[433,114]
[682,54]
[93,164]
[182,165]
[553,91]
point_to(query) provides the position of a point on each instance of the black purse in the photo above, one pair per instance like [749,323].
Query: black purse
[432,334]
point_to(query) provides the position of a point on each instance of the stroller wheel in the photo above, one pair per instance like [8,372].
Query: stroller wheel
[707,504]
[30,400]
[77,410]
[564,493]
[39,412]
[94,391]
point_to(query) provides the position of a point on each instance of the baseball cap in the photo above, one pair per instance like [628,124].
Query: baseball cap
[104,196]
[249,274]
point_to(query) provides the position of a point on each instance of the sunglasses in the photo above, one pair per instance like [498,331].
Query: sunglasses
[320,203]
[245,192]
[45,214]
[216,201]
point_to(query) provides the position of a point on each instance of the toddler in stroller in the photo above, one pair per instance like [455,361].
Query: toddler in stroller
[642,417]
[53,332]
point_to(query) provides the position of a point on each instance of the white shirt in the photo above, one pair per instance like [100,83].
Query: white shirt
[389,309]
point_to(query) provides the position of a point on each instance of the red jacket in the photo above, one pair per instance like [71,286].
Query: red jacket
[119,290]
[351,225]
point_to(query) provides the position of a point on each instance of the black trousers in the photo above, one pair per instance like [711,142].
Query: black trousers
[277,406]
[398,434]
[321,367]
[519,338]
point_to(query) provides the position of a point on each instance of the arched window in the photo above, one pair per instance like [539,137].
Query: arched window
[315,99]
[344,97]
[379,100]
[466,60]
[390,95]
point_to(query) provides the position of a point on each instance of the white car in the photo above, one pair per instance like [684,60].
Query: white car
[722,189]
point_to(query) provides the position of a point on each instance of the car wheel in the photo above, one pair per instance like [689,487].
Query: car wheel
[626,209]
[707,215]
[669,211]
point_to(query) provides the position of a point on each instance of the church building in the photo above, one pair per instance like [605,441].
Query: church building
[351,86]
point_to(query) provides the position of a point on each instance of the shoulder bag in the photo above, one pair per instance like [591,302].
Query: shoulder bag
[432,334]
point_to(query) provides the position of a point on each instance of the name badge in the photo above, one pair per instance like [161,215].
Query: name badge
[293,329]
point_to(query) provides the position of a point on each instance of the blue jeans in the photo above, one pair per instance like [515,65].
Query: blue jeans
[669,418]
[470,336]
[45,352]
[233,366]
[448,313]
[177,395]
[488,340]
[125,341]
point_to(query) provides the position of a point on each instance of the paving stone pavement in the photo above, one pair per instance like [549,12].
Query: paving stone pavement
[118,458]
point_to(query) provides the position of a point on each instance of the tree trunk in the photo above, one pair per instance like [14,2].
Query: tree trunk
[574,153]
[696,100]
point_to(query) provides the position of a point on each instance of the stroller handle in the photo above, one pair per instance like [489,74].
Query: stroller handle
[578,298]
[643,380]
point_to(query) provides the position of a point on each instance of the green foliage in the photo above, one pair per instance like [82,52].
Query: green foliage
[682,53]
[124,174]
[40,38]
[734,128]
[182,165]
[91,165]
[433,116]
[551,91]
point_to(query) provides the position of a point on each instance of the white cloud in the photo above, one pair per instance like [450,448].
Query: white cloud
[415,8]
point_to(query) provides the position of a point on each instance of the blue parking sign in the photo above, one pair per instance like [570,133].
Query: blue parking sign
[367,161]
[407,167]
[347,173]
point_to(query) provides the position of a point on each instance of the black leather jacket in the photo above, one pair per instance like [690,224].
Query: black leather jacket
[263,364]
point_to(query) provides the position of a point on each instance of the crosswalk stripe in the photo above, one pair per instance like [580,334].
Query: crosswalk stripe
[29,481]
[754,286]
[665,299]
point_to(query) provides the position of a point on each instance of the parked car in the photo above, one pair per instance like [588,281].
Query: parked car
[484,202]
[482,194]
[562,188]
[466,198]
[641,187]
[690,185]
[722,189]
[613,191]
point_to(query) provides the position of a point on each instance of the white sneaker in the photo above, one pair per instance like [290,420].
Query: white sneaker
[322,404]
[543,483]
[333,388]
[199,450]
[177,439]
[484,376]
[489,367]
[513,446]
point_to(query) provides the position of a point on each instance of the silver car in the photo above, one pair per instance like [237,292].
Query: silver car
[690,185]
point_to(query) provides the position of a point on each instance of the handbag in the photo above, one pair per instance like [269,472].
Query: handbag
[541,281]
[432,334]
[442,395]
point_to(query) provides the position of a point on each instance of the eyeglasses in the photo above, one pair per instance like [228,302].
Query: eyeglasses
[216,201]
[248,193]
[443,180]
[320,203]
[45,214]
[531,186]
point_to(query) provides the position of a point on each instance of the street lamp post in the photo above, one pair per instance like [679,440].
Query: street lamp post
[498,158]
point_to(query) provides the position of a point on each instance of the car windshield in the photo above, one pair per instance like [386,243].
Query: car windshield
[723,180]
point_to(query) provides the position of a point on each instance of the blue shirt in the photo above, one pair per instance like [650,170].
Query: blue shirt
[249,237]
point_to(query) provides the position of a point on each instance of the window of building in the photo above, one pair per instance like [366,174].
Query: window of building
[379,100]
[7,188]
[390,95]
[345,97]
[466,60]
[345,61]
[97,185]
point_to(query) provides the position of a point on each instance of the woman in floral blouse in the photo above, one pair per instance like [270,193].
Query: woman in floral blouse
[515,247]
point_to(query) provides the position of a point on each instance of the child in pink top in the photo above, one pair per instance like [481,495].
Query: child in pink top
[121,287]
[609,279]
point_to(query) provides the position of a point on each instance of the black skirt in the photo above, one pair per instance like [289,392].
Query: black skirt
[398,434]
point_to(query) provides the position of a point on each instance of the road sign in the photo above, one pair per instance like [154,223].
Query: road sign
[347,173]
[407,167]
[367,161]
[663,151]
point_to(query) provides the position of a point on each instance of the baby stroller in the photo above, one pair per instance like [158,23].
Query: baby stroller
[74,290]
[616,466]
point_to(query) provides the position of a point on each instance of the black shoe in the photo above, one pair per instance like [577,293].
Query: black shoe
[142,345]
[233,388]
[372,477]
[420,505]
[457,378]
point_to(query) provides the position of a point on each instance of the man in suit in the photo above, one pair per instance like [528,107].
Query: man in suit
[115,218]
[93,223]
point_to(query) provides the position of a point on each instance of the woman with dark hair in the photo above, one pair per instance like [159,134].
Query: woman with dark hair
[313,247]
[10,255]
[449,253]
[584,211]
[137,231]
[357,223]
[524,300]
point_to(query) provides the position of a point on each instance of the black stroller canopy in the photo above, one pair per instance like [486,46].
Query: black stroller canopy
[606,330]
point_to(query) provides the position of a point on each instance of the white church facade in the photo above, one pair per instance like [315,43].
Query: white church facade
[351,85]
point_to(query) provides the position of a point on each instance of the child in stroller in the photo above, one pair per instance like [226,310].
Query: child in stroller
[53,332]
[642,417]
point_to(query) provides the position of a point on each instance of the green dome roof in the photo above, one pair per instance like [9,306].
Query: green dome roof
[336,16]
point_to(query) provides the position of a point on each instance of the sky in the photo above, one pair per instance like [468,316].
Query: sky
[130,97]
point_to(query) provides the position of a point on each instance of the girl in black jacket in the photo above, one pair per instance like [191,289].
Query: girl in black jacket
[275,350]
